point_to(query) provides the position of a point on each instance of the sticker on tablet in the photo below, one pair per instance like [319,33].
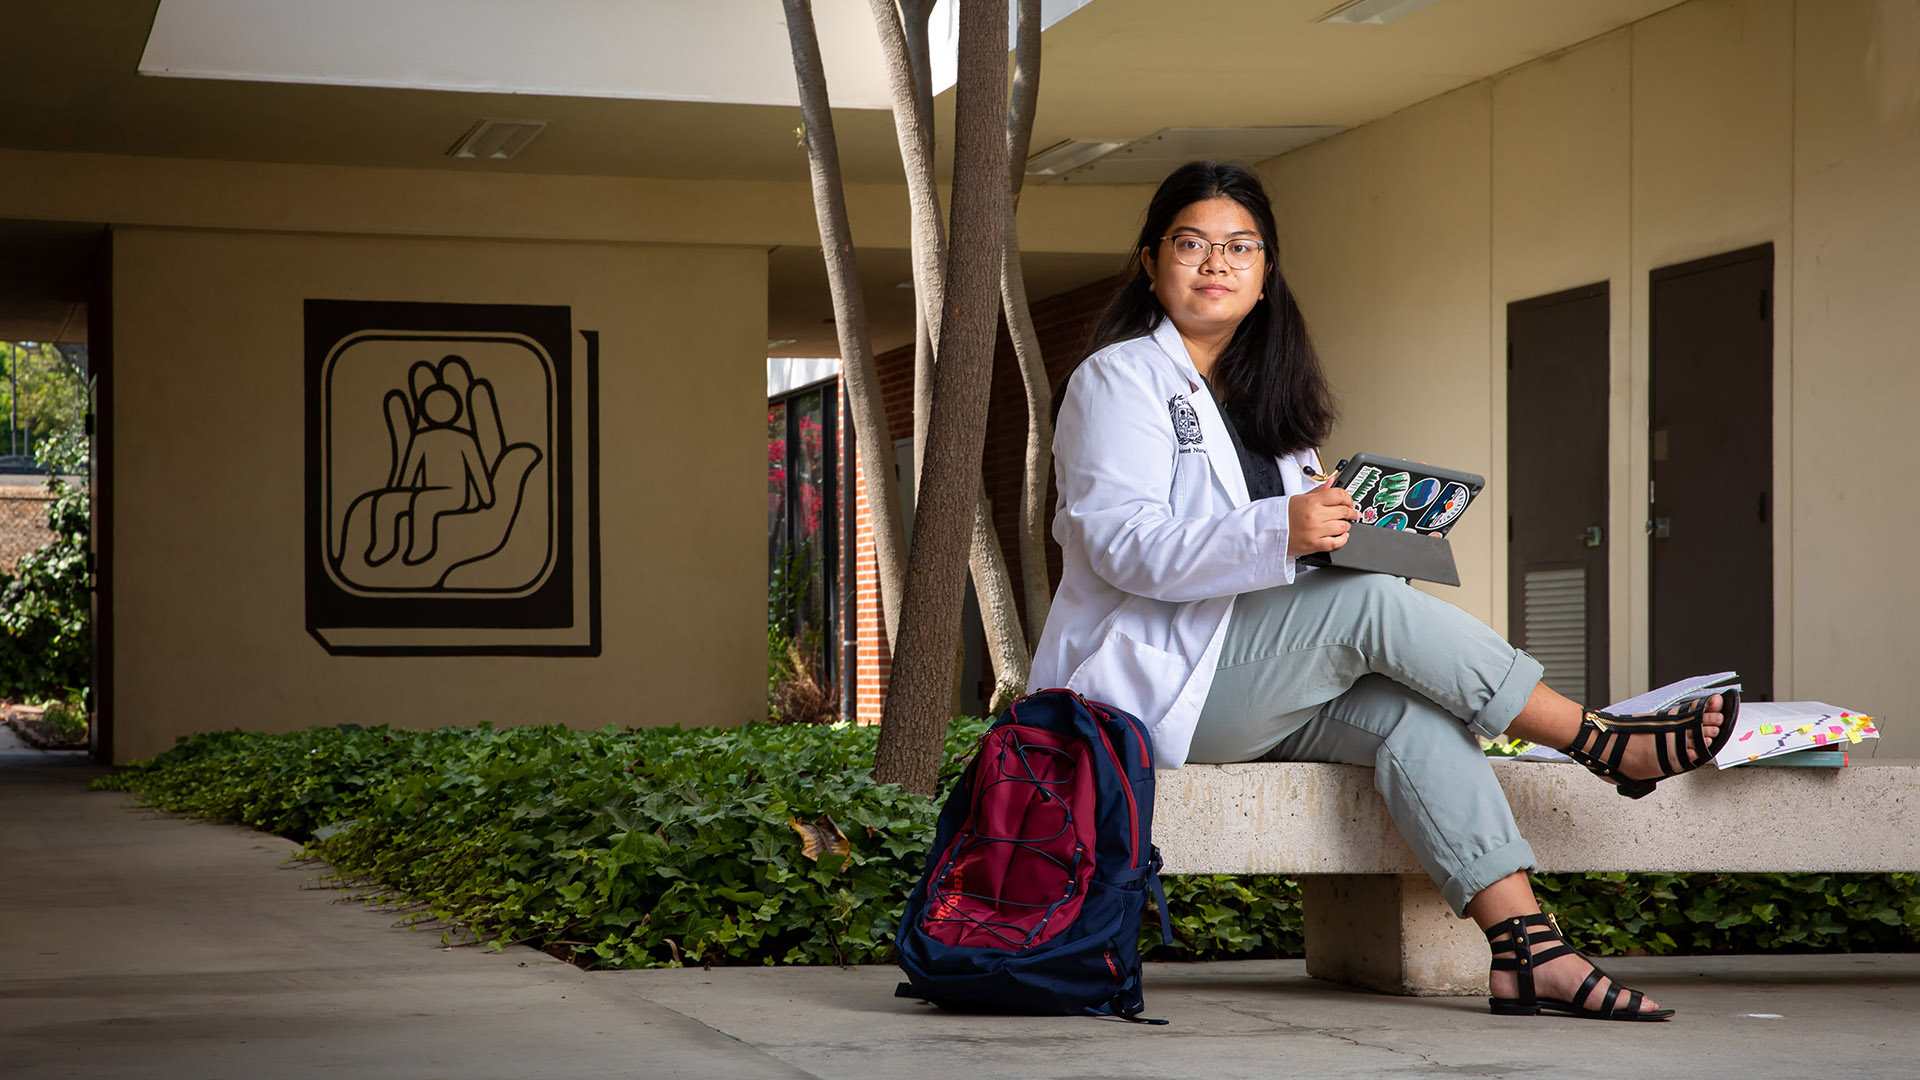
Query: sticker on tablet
[1393,491]
[1422,493]
[1362,483]
[1395,520]
[1450,506]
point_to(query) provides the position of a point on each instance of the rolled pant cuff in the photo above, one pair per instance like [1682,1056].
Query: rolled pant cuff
[1511,696]
[1462,887]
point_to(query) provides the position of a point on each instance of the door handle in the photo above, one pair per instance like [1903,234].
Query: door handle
[1659,528]
[1592,536]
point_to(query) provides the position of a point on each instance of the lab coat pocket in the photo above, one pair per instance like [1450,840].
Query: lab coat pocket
[1133,675]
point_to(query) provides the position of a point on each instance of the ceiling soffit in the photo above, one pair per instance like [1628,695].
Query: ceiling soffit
[730,51]
[1117,70]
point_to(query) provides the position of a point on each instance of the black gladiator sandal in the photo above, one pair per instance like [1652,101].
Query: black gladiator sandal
[1516,954]
[1603,737]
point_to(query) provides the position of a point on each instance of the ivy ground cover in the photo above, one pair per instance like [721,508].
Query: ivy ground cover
[640,848]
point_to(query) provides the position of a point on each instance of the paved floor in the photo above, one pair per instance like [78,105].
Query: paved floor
[134,945]
[140,946]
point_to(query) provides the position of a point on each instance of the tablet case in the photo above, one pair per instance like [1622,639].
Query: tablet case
[1399,494]
[1402,552]
[1390,551]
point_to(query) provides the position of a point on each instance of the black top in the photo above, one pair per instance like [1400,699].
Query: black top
[1261,471]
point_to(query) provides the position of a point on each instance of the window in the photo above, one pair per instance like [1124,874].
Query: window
[803,531]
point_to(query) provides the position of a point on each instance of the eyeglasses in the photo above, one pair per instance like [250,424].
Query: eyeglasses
[1193,250]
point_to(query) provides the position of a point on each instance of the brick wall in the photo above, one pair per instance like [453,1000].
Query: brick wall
[1062,323]
[873,661]
[874,657]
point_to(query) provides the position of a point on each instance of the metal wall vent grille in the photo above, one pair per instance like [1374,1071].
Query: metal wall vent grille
[1556,630]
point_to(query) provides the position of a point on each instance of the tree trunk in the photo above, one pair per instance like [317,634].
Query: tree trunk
[849,314]
[1035,582]
[903,38]
[993,587]
[915,720]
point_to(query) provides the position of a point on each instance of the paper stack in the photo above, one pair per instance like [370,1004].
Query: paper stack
[1794,733]
[1766,732]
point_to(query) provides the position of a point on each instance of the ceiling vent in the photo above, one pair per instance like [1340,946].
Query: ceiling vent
[1374,12]
[1149,160]
[497,140]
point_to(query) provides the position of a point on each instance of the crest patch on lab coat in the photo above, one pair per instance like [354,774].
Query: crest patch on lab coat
[1186,422]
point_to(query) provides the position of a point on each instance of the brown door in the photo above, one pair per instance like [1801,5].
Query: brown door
[1557,361]
[1710,532]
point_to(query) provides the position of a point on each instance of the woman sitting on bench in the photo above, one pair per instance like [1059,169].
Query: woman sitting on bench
[1189,485]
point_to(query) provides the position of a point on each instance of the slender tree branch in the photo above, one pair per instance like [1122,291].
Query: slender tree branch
[850,313]
[1025,96]
[903,44]
[1035,582]
[993,588]
[917,14]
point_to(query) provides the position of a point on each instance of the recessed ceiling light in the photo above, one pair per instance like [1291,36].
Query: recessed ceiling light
[1068,155]
[1374,12]
[781,342]
[1150,159]
[497,140]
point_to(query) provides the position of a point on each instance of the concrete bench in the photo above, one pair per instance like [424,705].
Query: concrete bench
[1374,919]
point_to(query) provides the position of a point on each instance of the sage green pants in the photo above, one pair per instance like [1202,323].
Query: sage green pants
[1365,669]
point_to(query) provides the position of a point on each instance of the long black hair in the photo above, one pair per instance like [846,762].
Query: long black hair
[1268,377]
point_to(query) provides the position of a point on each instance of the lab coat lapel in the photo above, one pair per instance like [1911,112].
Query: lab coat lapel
[1213,426]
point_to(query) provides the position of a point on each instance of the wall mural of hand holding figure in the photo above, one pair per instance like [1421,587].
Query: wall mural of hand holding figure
[454,492]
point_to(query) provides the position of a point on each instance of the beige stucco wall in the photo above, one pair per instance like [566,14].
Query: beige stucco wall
[191,193]
[1712,126]
[1855,381]
[209,463]
[1562,219]
[1384,238]
[1712,161]
[212,261]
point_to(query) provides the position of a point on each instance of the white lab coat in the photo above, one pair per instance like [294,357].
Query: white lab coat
[1158,535]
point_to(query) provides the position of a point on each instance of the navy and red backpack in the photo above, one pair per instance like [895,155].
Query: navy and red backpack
[1040,870]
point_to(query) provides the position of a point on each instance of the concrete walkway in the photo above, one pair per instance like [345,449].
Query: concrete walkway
[137,945]
[140,946]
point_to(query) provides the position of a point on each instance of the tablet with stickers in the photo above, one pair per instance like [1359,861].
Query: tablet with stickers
[1406,495]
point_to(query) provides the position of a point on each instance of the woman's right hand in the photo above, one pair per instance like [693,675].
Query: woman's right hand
[1319,520]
